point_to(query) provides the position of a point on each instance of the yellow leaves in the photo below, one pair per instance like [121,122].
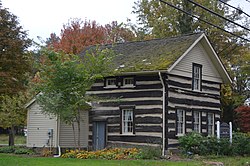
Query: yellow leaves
[110,154]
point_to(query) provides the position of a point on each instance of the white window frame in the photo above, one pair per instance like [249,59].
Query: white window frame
[128,85]
[197,121]
[110,85]
[127,123]
[196,77]
[210,124]
[180,122]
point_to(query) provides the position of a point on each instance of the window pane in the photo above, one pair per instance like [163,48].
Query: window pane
[180,121]
[210,120]
[111,81]
[196,77]
[128,81]
[196,121]
[127,121]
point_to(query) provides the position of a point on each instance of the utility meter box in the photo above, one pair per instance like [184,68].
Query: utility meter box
[50,132]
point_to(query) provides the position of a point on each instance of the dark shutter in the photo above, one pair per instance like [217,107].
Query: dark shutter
[193,76]
[200,77]
[207,123]
[105,82]
[133,120]
[185,120]
[120,120]
[176,126]
[192,119]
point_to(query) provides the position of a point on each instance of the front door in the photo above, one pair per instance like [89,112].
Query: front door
[99,135]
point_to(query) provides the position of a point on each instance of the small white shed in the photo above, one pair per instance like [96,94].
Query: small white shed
[48,131]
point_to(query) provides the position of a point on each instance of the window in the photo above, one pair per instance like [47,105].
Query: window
[111,82]
[197,121]
[128,81]
[196,77]
[180,121]
[127,121]
[210,124]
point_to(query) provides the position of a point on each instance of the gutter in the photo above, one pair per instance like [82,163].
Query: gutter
[163,113]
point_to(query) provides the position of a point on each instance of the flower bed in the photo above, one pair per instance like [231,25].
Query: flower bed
[110,154]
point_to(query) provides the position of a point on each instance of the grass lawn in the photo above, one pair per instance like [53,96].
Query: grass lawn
[14,160]
[4,139]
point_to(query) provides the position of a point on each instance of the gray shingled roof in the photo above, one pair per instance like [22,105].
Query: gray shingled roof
[149,55]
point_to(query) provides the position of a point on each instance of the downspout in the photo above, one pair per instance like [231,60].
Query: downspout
[58,139]
[163,113]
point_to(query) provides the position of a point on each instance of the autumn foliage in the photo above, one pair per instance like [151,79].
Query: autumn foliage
[78,34]
[243,118]
[15,62]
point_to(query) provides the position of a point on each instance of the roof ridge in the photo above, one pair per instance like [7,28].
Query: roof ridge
[155,39]
[139,41]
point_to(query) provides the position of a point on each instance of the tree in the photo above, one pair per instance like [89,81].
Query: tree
[160,20]
[15,61]
[12,113]
[64,80]
[117,33]
[78,34]
[15,65]
[243,118]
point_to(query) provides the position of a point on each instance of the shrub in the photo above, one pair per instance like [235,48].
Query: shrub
[23,151]
[7,149]
[114,154]
[149,153]
[243,118]
[192,142]
[46,152]
[195,143]
[241,144]
[15,150]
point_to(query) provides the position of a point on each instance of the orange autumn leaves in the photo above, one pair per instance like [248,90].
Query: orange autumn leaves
[77,35]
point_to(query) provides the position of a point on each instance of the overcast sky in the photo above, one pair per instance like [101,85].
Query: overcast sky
[42,17]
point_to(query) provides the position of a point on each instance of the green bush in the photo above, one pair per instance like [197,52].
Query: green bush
[149,153]
[195,143]
[7,149]
[192,142]
[23,151]
[15,150]
[241,144]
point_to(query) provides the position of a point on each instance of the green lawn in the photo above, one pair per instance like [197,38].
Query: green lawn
[4,139]
[11,160]
[14,160]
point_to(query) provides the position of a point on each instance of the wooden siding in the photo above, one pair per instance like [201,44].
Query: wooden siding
[38,125]
[181,96]
[146,97]
[197,55]
[66,138]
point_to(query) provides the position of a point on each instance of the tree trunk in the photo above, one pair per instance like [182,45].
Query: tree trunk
[74,133]
[79,130]
[11,136]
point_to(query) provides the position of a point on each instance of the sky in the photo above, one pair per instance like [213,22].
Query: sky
[43,17]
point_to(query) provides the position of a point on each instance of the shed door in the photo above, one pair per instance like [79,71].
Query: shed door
[99,135]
